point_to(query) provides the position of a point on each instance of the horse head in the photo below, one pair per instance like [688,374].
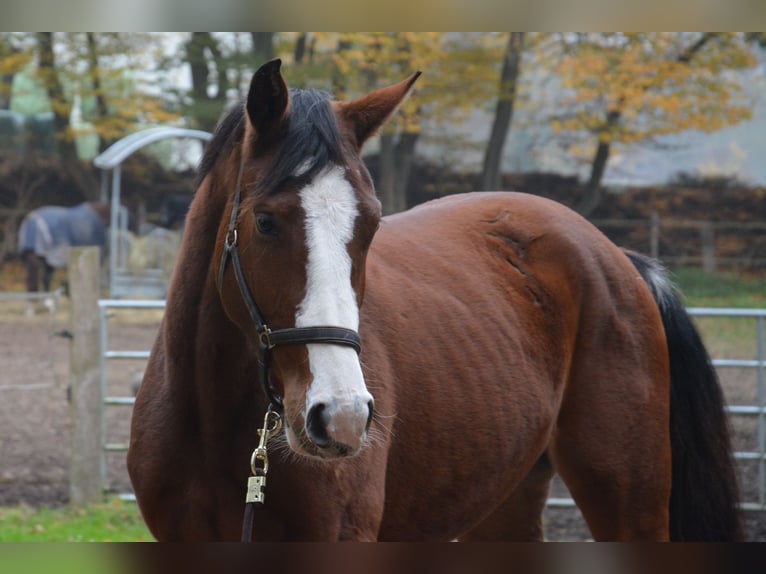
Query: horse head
[300,217]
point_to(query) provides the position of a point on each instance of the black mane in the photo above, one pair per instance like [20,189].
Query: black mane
[312,138]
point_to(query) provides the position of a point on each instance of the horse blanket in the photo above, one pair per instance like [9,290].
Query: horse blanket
[51,230]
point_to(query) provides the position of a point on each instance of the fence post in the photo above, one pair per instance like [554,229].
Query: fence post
[708,248]
[86,396]
[654,235]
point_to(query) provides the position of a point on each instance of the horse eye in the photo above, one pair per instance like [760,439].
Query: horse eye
[266,224]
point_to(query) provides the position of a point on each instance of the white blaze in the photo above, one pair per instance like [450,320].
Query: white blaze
[330,207]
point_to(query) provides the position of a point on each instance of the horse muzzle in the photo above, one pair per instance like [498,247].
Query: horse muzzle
[337,429]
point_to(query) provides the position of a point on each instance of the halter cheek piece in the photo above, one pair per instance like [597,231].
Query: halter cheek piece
[278,337]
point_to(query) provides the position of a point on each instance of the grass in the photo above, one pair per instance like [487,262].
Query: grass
[721,289]
[725,337]
[112,521]
[62,559]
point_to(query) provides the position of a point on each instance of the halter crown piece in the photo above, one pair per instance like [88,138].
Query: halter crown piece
[279,337]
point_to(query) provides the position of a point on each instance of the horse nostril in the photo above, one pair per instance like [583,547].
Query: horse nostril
[316,425]
[371,412]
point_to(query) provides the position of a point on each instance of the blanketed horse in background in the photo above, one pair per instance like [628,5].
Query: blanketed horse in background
[432,369]
[47,233]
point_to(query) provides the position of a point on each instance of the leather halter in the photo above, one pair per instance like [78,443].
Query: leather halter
[279,337]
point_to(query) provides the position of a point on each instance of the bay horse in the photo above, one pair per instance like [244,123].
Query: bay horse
[47,233]
[433,369]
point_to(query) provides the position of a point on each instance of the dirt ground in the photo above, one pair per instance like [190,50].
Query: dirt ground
[34,422]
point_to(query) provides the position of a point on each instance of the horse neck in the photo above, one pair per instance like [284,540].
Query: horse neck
[202,346]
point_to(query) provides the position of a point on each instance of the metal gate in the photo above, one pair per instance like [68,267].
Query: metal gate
[121,283]
[108,354]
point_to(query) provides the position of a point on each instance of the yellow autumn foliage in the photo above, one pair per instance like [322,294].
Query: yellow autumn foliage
[646,78]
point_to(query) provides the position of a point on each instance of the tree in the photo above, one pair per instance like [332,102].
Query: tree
[102,109]
[459,76]
[208,93]
[93,75]
[60,104]
[106,76]
[263,47]
[490,174]
[305,46]
[363,62]
[220,66]
[630,88]
[13,59]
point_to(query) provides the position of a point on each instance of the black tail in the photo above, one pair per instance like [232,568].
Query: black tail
[704,496]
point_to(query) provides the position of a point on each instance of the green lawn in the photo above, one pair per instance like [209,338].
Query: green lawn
[725,337]
[111,521]
[47,558]
[721,290]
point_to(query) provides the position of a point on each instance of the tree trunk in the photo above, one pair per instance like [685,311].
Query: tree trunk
[593,193]
[396,158]
[55,91]
[300,48]
[195,56]
[338,78]
[404,155]
[23,186]
[67,150]
[95,78]
[205,108]
[305,46]
[491,171]
[263,46]
[386,177]
[6,80]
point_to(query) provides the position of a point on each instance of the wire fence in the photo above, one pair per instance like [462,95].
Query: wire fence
[708,244]
[52,303]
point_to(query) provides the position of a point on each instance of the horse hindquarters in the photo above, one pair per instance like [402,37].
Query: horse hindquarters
[704,489]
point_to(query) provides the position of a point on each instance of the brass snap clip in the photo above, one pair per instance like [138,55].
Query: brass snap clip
[272,424]
[259,461]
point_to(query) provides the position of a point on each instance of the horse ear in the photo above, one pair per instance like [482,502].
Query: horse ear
[267,98]
[367,114]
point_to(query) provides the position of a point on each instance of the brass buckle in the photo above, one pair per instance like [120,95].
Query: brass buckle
[263,335]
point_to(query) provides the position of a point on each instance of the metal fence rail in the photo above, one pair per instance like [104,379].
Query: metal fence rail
[758,363]
[759,409]
[106,354]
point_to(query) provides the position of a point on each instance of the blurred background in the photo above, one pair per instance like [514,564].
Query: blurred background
[658,137]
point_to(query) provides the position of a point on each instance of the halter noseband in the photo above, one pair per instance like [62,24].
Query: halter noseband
[278,337]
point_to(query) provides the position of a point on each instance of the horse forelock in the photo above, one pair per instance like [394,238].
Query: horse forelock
[311,140]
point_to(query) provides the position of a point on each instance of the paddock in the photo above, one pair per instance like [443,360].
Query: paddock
[35,412]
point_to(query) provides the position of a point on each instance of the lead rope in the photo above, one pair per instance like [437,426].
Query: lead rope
[259,466]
